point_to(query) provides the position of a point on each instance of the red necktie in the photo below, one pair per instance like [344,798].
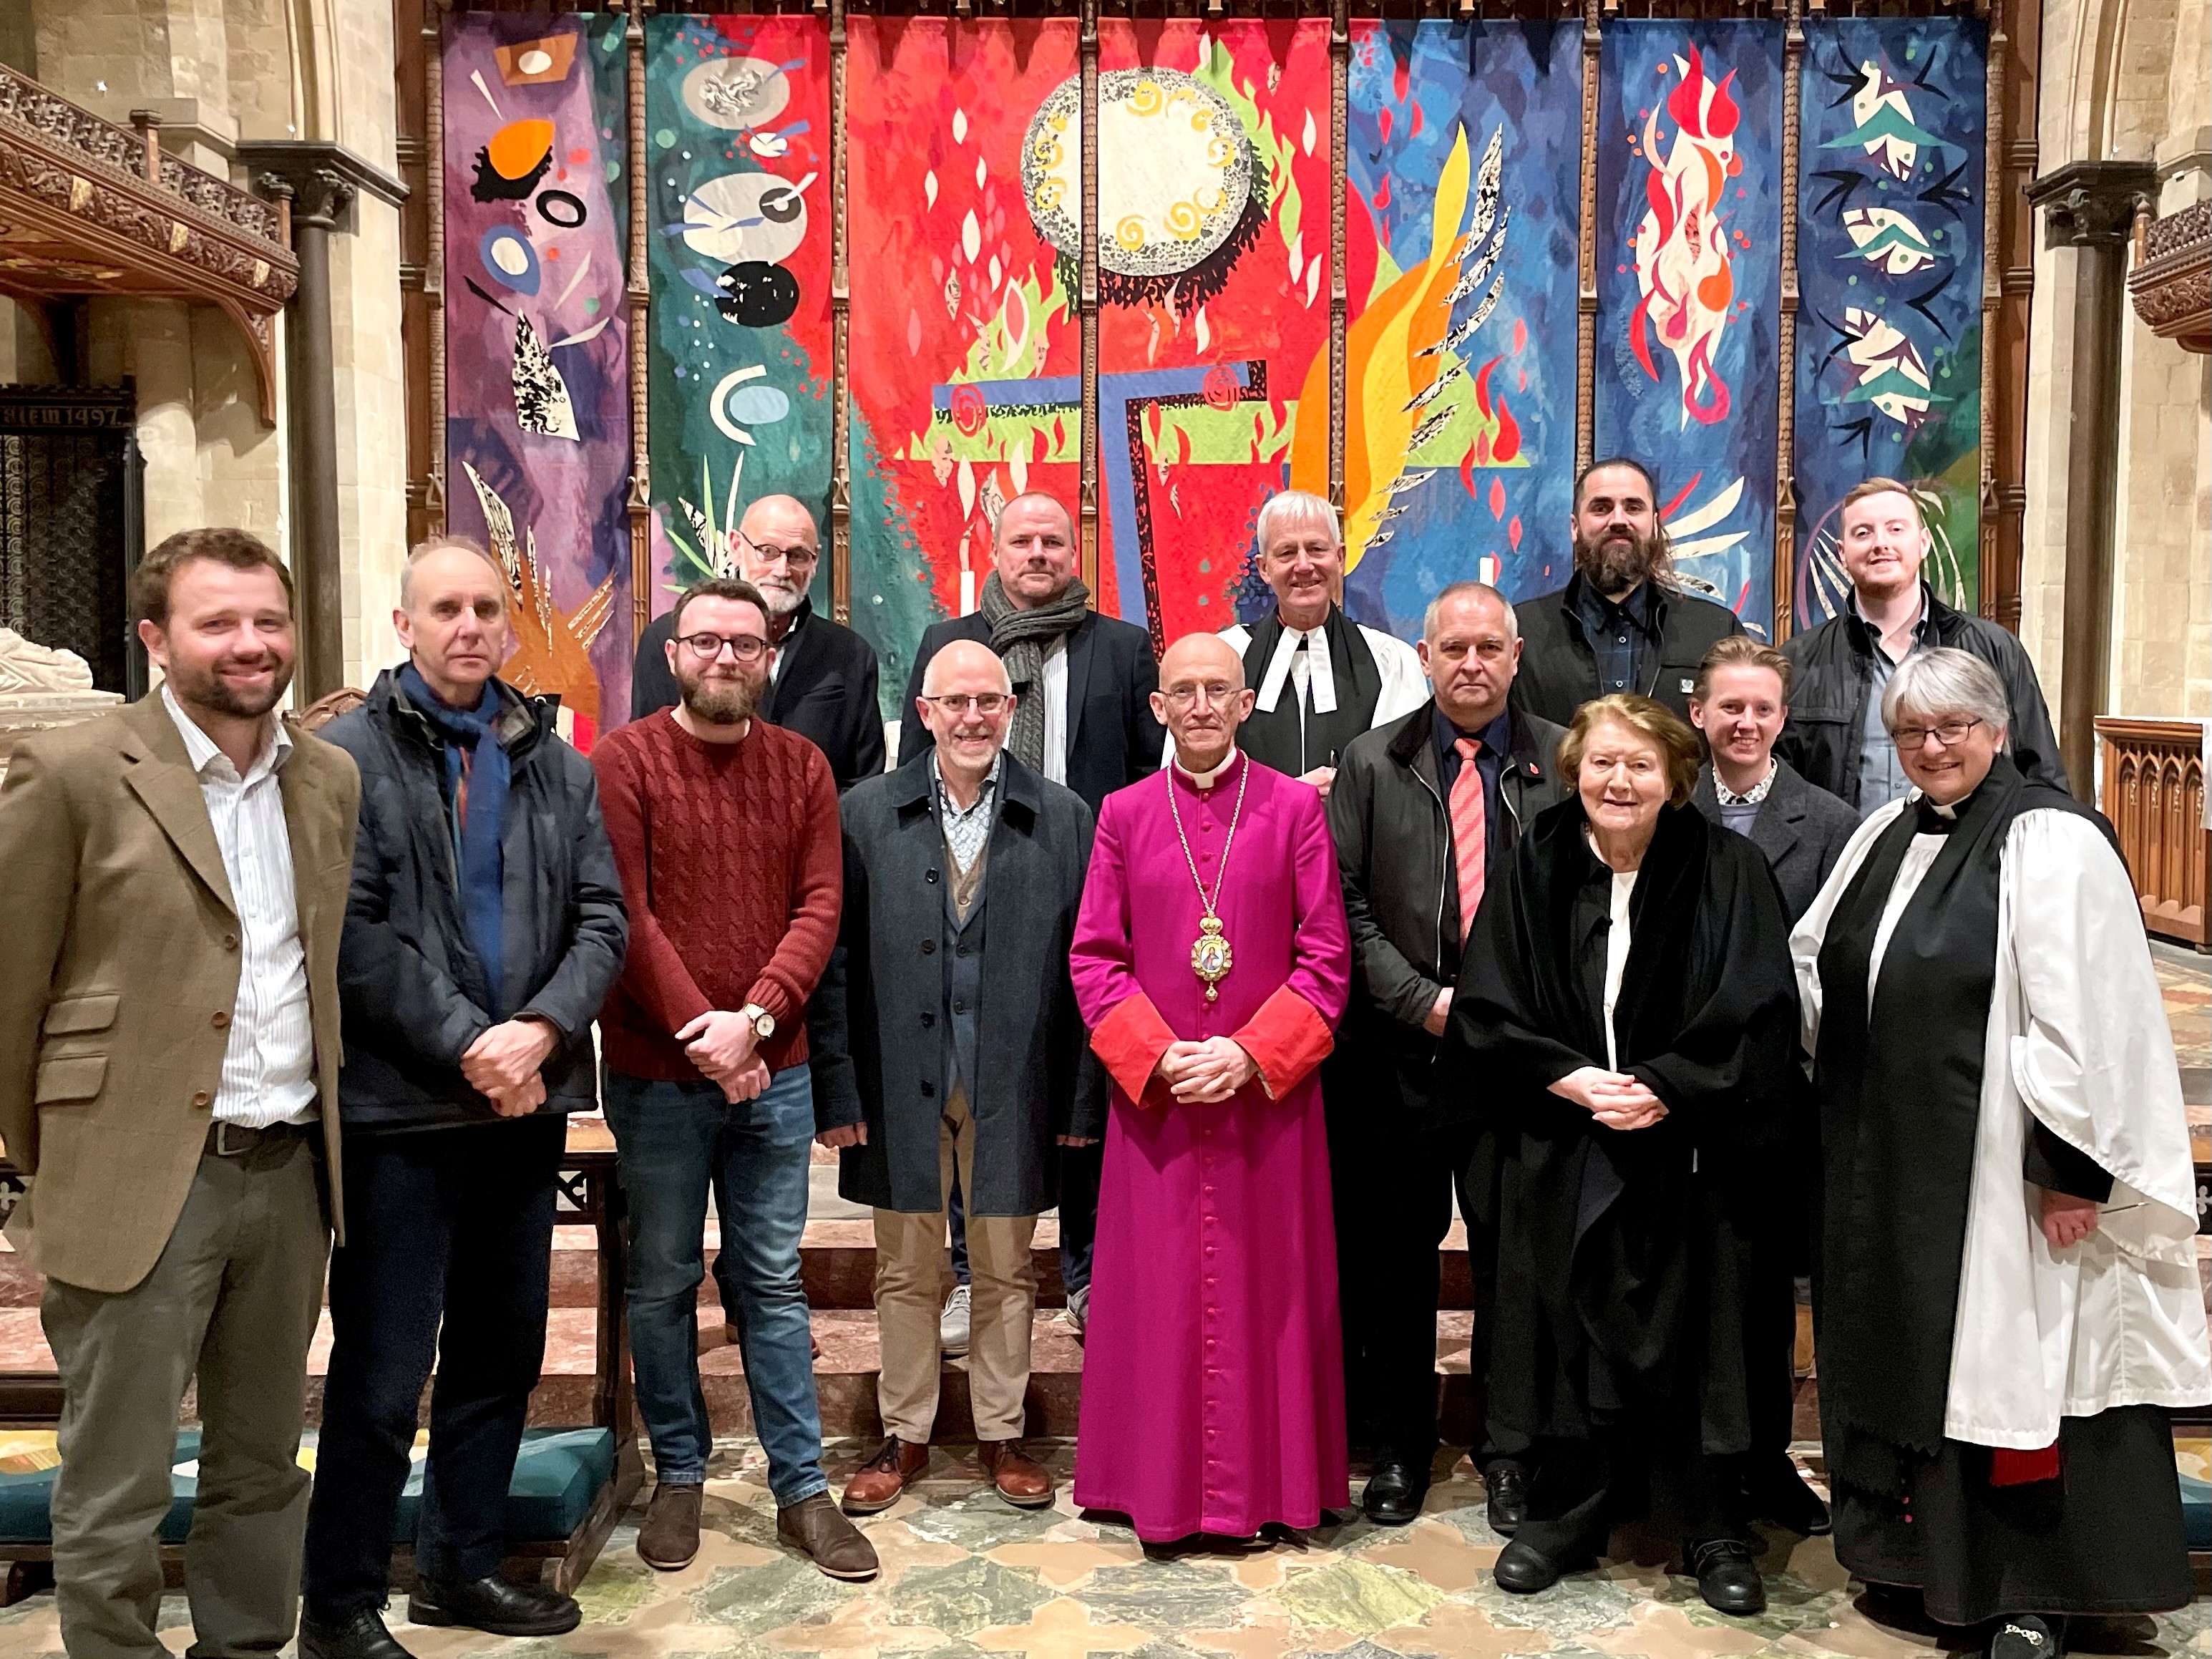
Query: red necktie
[1470,831]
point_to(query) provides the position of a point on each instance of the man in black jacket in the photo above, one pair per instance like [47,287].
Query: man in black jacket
[1426,813]
[1084,720]
[1623,621]
[822,678]
[1835,736]
[484,928]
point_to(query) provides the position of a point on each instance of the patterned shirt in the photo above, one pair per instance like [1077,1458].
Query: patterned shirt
[1740,813]
[269,1062]
[966,829]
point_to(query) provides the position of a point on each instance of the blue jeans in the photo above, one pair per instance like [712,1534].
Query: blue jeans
[674,1138]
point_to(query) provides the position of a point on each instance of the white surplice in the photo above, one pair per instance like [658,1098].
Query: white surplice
[2077,1037]
[1405,686]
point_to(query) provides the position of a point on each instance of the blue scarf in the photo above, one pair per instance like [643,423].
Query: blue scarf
[481,865]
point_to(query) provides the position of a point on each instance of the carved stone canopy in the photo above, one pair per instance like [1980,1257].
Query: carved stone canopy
[2172,282]
[2092,203]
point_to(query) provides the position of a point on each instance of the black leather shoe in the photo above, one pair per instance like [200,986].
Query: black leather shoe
[1779,1494]
[495,1606]
[1523,1569]
[2027,1635]
[1509,1497]
[1726,1578]
[361,1636]
[1394,1492]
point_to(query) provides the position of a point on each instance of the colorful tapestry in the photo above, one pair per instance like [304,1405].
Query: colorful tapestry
[1460,228]
[967,356]
[1213,170]
[737,144]
[537,418]
[1689,192]
[1889,273]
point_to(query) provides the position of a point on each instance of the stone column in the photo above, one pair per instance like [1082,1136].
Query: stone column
[321,180]
[2090,206]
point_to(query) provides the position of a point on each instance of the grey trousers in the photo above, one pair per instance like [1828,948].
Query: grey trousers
[233,1300]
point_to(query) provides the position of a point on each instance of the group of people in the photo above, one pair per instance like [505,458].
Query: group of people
[1692,969]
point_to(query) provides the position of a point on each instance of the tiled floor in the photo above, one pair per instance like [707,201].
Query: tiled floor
[965,1577]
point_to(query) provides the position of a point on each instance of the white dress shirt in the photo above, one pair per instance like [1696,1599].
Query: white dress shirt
[268,1063]
[1056,711]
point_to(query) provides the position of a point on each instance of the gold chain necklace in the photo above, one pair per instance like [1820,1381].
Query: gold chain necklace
[1211,958]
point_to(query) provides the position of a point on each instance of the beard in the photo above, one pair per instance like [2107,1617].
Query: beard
[205,688]
[721,703]
[1618,561]
[782,597]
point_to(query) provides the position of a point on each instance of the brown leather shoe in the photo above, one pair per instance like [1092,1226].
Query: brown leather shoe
[1019,1478]
[813,1526]
[877,1484]
[670,1537]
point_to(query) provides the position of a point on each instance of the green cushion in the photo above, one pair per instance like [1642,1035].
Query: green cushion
[557,1474]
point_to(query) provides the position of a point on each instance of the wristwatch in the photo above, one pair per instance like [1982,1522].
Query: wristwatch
[763,1021]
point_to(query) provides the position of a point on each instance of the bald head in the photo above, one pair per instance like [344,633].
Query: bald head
[778,549]
[971,663]
[1202,700]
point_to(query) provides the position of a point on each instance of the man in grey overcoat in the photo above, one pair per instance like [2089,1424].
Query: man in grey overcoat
[963,870]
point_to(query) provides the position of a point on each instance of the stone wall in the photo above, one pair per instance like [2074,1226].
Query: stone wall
[220,71]
[2127,79]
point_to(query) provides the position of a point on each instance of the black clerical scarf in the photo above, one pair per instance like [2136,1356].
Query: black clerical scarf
[1900,1098]
[1278,738]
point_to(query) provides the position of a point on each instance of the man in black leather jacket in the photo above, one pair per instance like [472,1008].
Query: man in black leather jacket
[1417,819]
[1835,735]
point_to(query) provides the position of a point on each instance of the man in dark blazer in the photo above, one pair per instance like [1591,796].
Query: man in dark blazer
[821,678]
[1084,720]
[969,851]
[1425,812]
[1626,620]
[1740,701]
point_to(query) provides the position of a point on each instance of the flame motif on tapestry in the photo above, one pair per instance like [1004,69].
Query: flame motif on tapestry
[1213,190]
[1889,270]
[967,389]
[1689,288]
[537,421]
[737,144]
[1464,141]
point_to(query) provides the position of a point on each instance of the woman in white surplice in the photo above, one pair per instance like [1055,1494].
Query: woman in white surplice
[2007,1292]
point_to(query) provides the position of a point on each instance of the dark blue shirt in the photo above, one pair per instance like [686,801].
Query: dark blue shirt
[1490,761]
[1619,636]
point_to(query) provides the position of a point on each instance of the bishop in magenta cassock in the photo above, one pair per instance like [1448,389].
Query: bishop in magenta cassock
[1211,961]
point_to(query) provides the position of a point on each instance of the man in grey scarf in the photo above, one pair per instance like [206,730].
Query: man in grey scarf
[1084,720]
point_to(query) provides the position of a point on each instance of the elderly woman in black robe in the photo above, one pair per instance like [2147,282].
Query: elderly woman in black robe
[2007,1291]
[1631,1017]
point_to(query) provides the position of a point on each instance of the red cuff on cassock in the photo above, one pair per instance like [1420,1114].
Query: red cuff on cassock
[2009,1467]
[1286,1039]
[1129,1043]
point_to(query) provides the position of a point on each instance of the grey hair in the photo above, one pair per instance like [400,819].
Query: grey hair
[1469,590]
[1293,504]
[1930,685]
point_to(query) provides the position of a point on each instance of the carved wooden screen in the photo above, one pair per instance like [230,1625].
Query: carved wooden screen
[70,524]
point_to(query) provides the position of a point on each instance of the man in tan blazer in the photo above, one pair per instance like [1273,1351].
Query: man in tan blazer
[168,1078]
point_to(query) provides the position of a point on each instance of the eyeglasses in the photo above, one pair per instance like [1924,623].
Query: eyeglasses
[1215,691]
[746,647]
[986,703]
[795,558]
[1949,735]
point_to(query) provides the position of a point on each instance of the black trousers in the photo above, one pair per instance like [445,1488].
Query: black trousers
[449,1240]
[1646,1468]
[1393,1197]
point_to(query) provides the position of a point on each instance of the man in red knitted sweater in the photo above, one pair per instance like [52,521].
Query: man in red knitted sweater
[725,829]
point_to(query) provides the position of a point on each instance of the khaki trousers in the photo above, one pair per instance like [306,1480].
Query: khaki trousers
[909,1263]
[233,1300]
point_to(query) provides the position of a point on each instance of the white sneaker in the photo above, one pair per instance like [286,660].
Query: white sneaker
[1077,1314]
[952,1328]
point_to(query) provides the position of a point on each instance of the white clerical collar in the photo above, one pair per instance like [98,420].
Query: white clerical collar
[1919,797]
[1207,780]
[1321,671]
